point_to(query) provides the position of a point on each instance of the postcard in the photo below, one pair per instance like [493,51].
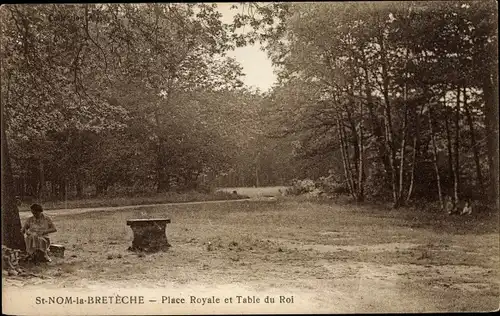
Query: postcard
[249,158]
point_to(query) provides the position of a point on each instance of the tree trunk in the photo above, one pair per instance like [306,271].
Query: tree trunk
[434,156]
[474,145]
[41,190]
[451,168]
[101,188]
[355,144]
[403,150]
[361,174]
[391,153]
[389,133]
[33,177]
[53,187]
[345,159]
[257,180]
[163,183]
[456,173]
[376,128]
[404,129]
[66,185]
[352,179]
[11,222]
[22,191]
[62,189]
[416,149]
[79,186]
[379,136]
[490,96]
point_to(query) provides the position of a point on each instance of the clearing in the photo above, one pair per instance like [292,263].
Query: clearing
[332,258]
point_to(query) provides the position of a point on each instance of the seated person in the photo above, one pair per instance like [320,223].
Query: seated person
[467,208]
[36,229]
[449,205]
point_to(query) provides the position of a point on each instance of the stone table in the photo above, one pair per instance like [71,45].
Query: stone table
[57,250]
[149,234]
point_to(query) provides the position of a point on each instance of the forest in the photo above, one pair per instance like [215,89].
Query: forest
[402,98]
[395,101]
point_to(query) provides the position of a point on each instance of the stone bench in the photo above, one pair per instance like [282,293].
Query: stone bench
[149,234]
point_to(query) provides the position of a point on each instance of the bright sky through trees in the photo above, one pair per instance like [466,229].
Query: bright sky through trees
[256,65]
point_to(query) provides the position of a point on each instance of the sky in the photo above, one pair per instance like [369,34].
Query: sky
[257,67]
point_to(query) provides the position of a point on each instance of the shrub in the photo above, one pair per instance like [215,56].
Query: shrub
[300,187]
[329,185]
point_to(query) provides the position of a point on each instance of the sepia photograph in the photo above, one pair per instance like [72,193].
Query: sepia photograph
[249,158]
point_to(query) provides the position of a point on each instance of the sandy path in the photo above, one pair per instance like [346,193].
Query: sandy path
[74,211]
[254,194]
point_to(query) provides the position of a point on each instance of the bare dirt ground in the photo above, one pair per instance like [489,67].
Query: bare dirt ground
[332,258]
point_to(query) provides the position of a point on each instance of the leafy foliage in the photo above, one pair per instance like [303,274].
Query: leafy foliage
[358,84]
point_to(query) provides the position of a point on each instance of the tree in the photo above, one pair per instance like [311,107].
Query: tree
[173,52]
